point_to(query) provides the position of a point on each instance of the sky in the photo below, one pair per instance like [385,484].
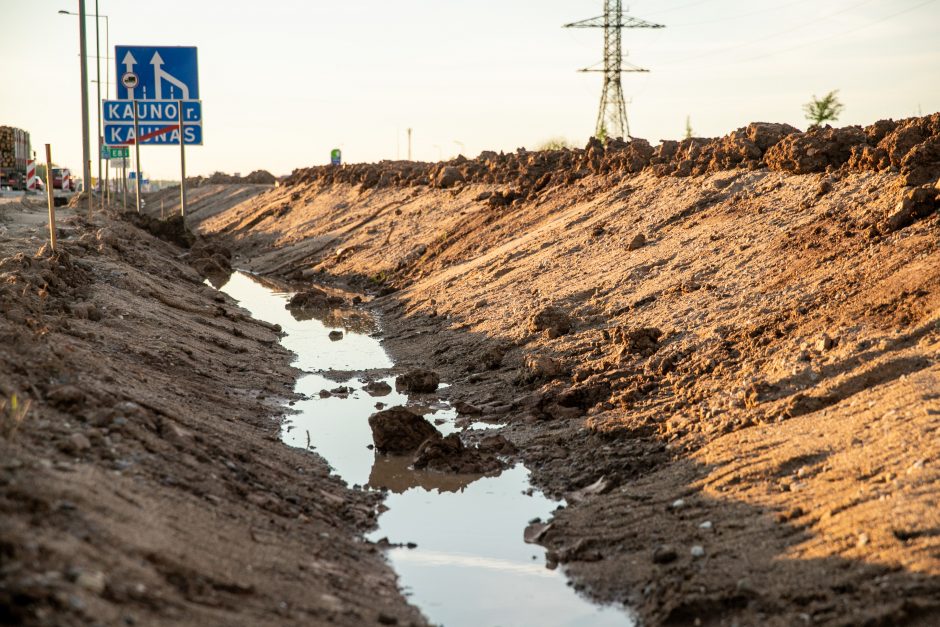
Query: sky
[282,82]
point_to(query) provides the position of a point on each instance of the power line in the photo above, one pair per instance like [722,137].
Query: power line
[612,115]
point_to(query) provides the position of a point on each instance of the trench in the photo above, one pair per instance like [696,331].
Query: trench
[455,541]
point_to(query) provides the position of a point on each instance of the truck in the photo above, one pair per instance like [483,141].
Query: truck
[62,179]
[15,151]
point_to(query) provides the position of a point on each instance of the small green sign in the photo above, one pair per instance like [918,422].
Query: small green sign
[122,152]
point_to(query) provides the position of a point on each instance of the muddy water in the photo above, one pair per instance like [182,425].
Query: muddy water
[467,564]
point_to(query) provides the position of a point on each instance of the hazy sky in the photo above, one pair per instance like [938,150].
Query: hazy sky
[284,81]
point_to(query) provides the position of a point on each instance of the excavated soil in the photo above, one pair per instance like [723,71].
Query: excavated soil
[722,353]
[142,476]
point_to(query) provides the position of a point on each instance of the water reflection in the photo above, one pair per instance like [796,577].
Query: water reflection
[394,473]
[471,566]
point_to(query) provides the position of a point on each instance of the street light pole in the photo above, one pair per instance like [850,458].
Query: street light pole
[86,148]
[98,78]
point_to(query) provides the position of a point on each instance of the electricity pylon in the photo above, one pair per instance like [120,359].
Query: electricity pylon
[612,116]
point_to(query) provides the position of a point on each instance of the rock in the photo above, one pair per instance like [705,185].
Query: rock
[467,408]
[449,176]
[418,381]
[399,430]
[341,391]
[448,454]
[825,186]
[492,357]
[377,388]
[543,367]
[535,532]
[314,298]
[637,242]
[664,554]
[66,397]
[94,581]
[824,343]
[916,204]
[697,551]
[498,444]
[325,394]
[78,442]
[643,341]
[336,336]
[552,320]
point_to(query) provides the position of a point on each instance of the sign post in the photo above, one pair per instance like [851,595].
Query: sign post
[157,104]
[136,153]
[182,163]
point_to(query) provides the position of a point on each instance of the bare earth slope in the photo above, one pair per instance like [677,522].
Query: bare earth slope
[738,390]
[146,483]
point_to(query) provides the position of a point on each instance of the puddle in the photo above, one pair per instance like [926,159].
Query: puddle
[471,566]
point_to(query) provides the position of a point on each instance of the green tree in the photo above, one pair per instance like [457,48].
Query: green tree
[688,127]
[825,109]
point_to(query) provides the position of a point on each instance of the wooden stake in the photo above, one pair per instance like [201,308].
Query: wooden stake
[49,196]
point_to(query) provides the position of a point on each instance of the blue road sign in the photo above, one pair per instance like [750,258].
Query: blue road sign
[156,73]
[153,134]
[152,111]
[157,121]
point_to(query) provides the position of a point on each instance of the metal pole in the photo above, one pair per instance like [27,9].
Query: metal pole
[52,241]
[182,163]
[136,154]
[86,142]
[98,80]
[107,88]
[124,182]
[409,144]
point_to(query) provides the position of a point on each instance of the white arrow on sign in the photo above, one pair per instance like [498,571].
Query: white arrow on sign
[129,62]
[159,75]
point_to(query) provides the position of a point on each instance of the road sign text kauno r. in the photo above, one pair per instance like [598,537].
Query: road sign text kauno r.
[157,122]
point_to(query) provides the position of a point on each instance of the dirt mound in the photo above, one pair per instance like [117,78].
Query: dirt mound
[258,177]
[172,229]
[911,145]
[140,465]
[749,351]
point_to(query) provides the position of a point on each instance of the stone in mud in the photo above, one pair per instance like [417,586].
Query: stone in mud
[377,388]
[448,177]
[448,454]
[399,430]
[642,341]
[336,336]
[418,381]
[637,242]
[544,367]
[497,444]
[552,320]
[467,408]
[916,204]
[314,298]
[664,554]
[492,357]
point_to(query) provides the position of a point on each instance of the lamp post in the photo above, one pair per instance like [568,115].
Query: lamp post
[81,15]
